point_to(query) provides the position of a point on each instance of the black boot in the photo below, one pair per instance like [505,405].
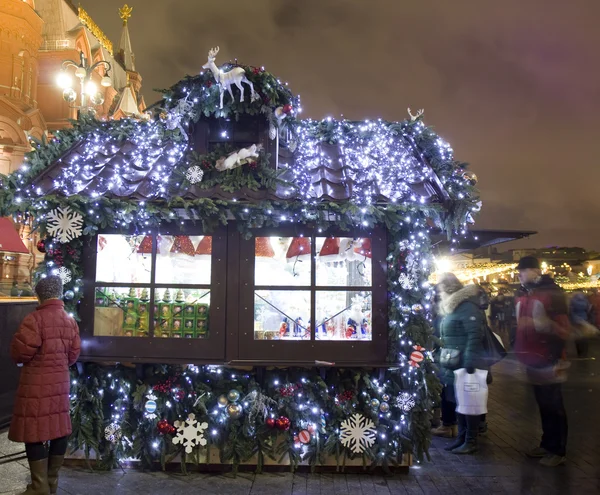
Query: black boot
[470,446]
[462,433]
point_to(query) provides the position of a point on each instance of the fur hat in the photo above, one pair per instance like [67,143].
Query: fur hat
[50,287]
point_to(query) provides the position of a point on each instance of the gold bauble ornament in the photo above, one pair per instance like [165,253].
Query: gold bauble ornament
[470,177]
[234,411]
[222,400]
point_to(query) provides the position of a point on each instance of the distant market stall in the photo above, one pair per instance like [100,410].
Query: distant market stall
[287,260]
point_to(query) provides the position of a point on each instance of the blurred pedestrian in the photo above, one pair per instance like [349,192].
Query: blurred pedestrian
[461,333]
[502,311]
[46,344]
[542,330]
[580,312]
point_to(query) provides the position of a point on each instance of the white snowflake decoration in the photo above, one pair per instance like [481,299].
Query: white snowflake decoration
[64,273]
[406,281]
[64,224]
[357,433]
[405,401]
[190,433]
[194,174]
[112,432]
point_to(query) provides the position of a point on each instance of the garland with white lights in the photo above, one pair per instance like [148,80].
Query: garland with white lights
[304,414]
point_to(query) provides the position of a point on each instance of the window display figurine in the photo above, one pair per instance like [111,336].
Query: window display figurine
[364,329]
[351,329]
[283,329]
[298,327]
[321,332]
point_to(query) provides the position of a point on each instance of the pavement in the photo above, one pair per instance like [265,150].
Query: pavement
[499,467]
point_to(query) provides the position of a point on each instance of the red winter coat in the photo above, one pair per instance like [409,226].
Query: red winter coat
[47,343]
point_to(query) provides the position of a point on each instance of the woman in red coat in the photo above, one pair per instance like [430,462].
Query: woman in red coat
[46,344]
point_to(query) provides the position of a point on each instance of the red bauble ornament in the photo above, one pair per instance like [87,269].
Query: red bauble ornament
[41,246]
[164,428]
[282,423]
[270,422]
[417,356]
[304,436]
[256,71]
[287,109]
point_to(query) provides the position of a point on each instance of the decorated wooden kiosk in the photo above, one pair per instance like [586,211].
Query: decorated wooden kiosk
[251,287]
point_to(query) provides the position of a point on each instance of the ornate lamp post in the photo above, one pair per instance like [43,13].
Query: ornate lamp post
[89,94]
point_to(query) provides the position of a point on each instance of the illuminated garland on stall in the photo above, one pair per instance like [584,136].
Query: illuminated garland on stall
[295,412]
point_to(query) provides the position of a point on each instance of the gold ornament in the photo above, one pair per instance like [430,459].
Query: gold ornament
[125,13]
[470,177]
[234,411]
[222,400]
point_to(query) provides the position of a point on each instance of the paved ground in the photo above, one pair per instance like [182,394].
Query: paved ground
[500,467]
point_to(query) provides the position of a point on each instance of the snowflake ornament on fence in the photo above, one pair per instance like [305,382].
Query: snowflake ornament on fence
[357,433]
[112,432]
[64,273]
[194,174]
[405,401]
[406,281]
[64,224]
[190,433]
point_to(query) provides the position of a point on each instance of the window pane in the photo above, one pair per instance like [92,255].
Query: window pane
[282,315]
[343,315]
[282,261]
[124,259]
[181,313]
[183,259]
[344,262]
[121,312]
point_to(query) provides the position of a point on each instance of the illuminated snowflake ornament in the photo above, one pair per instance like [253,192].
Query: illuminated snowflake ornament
[406,281]
[405,402]
[194,174]
[357,433]
[112,432]
[64,224]
[190,433]
[64,273]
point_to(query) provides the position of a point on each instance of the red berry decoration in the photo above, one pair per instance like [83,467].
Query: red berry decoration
[270,422]
[164,428]
[282,423]
[41,246]
[287,109]
[256,71]
[287,390]
[208,83]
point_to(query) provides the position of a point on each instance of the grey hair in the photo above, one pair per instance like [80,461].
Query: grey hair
[50,287]
[449,283]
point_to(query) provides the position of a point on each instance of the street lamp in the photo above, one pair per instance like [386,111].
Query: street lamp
[83,72]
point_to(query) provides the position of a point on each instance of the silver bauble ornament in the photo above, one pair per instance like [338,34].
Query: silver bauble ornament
[374,403]
[233,395]
[69,295]
[97,98]
[69,95]
[385,398]
[384,407]
[234,411]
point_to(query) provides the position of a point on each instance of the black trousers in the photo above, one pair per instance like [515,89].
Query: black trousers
[468,425]
[41,450]
[448,407]
[554,418]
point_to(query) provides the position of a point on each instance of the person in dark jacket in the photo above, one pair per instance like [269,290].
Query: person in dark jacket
[580,311]
[542,330]
[46,344]
[462,328]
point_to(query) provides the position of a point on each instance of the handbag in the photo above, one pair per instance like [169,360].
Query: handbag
[450,358]
[493,348]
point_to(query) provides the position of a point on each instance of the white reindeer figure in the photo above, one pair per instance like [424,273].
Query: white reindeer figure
[236,76]
[417,115]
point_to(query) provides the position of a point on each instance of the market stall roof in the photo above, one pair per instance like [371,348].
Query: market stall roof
[10,241]
[478,238]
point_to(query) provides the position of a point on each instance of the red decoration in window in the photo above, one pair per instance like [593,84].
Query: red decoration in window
[183,244]
[204,249]
[365,248]
[262,248]
[299,249]
[145,246]
[330,252]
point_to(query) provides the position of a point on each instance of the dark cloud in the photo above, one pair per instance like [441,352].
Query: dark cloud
[513,85]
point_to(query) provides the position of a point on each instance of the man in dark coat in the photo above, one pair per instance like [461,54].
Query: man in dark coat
[542,330]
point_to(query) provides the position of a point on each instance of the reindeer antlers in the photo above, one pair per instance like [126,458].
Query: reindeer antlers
[212,53]
[415,117]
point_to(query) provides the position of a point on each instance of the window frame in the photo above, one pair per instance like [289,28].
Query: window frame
[155,348]
[352,352]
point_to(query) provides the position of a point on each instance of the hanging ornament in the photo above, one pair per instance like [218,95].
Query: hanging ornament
[270,422]
[69,295]
[41,246]
[357,433]
[194,174]
[287,109]
[64,274]
[384,407]
[222,400]
[262,248]
[182,244]
[64,224]
[190,433]
[417,308]
[374,403]
[405,401]
[112,432]
[416,356]
[406,281]
[150,406]
[304,436]
[272,132]
[470,177]
[282,423]
[385,398]
[330,251]
[204,249]
[323,424]
[165,428]
[233,395]
[234,411]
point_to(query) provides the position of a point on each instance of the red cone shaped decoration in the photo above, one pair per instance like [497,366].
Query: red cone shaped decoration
[145,246]
[365,248]
[330,252]
[299,249]
[262,248]
[183,244]
[204,249]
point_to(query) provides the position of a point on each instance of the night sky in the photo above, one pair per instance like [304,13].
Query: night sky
[514,86]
